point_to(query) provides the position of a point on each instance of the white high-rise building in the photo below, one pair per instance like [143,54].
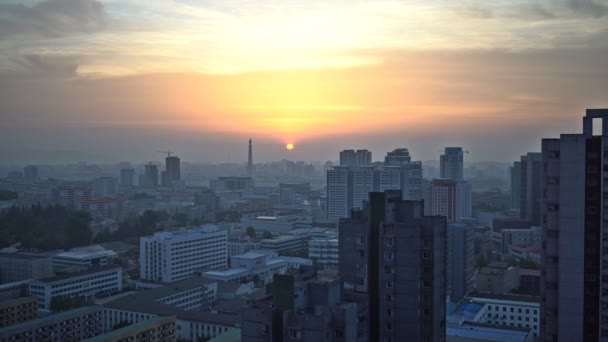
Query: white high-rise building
[348,187]
[172,256]
[338,194]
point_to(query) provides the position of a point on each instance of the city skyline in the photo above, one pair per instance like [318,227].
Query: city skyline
[93,85]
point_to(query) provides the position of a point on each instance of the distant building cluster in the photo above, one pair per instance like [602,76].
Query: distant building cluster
[362,250]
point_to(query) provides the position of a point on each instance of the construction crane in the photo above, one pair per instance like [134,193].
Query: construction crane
[167,152]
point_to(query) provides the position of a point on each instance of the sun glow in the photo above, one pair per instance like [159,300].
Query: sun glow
[289,147]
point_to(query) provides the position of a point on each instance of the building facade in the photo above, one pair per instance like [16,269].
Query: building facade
[87,284]
[574,272]
[15,267]
[451,164]
[393,264]
[171,256]
[72,325]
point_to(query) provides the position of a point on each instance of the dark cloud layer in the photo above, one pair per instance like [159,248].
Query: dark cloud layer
[52,18]
[537,11]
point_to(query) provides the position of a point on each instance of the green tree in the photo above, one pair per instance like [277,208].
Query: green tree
[250,231]
[267,235]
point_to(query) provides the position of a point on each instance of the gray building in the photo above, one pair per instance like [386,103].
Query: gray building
[302,307]
[575,244]
[393,263]
[151,175]
[451,164]
[172,164]
[355,159]
[461,260]
[72,325]
[127,177]
[15,267]
[530,193]
[30,174]
[515,177]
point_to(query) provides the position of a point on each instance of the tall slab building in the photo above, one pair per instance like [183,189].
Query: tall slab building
[574,278]
[393,264]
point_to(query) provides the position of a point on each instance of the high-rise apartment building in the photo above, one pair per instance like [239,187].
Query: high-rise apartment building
[75,197]
[103,186]
[355,158]
[127,177]
[151,175]
[574,275]
[172,256]
[443,199]
[393,264]
[451,164]
[515,177]
[460,260]
[397,157]
[30,174]
[348,187]
[530,193]
[172,165]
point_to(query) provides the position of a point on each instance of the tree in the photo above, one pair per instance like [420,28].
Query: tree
[250,231]
[267,235]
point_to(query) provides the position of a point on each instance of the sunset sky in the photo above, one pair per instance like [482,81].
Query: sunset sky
[87,80]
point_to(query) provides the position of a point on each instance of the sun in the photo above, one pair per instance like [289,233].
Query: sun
[289,146]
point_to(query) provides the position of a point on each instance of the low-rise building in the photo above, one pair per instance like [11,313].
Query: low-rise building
[185,299]
[302,307]
[87,284]
[259,266]
[157,329]
[83,258]
[497,277]
[324,251]
[18,310]
[287,244]
[16,267]
[72,325]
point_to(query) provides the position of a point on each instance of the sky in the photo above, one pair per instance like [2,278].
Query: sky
[120,80]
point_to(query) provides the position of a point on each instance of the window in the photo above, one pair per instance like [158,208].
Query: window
[388,298]
[426,255]
[389,284]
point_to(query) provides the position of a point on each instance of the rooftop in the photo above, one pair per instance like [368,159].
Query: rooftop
[137,303]
[143,325]
[468,333]
[79,274]
[506,297]
[50,319]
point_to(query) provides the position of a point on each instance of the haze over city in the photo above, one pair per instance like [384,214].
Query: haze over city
[304,171]
[117,80]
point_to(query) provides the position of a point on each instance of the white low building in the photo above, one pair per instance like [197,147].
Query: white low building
[83,258]
[324,251]
[508,310]
[87,284]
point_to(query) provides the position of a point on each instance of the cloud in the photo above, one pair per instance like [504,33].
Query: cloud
[52,18]
[593,8]
[48,66]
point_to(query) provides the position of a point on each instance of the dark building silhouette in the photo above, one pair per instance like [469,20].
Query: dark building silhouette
[172,165]
[301,307]
[151,175]
[393,263]
[530,192]
[575,245]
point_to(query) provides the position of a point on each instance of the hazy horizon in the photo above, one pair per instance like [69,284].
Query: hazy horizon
[110,81]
